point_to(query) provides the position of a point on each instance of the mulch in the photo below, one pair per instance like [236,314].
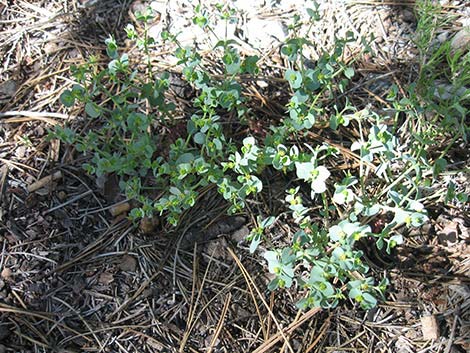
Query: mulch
[77,276]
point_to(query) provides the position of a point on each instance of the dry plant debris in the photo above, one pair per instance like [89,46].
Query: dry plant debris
[77,276]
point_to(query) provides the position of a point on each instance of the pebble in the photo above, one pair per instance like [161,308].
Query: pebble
[159,6]
[6,273]
[263,33]
[250,7]
[137,6]
[50,48]
[461,40]
[128,263]
[240,234]
[4,332]
[61,195]
[442,37]
[408,16]
[155,31]
[148,224]
[8,88]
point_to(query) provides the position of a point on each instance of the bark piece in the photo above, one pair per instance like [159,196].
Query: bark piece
[430,327]
[44,181]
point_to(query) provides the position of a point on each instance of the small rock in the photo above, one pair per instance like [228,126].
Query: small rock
[128,263]
[240,234]
[8,89]
[4,332]
[449,234]
[20,151]
[6,273]
[106,278]
[155,31]
[148,293]
[61,195]
[218,249]
[148,224]
[262,33]
[79,284]
[430,327]
[461,40]
[119,209]
[138,6]
[50,48]
[224,30]
[379,39]
[408,16]
[387,24]
[159,6]
[461,291]
[155,345]
[442,37]
[75,54]
[39,131]
[100,181]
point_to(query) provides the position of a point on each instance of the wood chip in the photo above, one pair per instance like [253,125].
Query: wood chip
[430,327]
[120,208]
[44,181]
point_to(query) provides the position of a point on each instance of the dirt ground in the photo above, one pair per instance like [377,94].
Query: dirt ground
[77,278]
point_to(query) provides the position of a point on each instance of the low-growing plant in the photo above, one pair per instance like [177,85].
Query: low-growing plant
[126,109]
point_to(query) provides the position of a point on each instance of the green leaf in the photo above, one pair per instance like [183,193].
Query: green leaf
[185,158]
[250,65]
[273,261]
[67,98]
[199,138]
[191,127]
[274,284]
[92,109]
[136,213]
[267,222]
[255,241]
[462,197]
[439,166]
[349,72]
[218,144]
[369,301]
[294,78]
[111,47]
[310,12]
[334,122]
[130,31]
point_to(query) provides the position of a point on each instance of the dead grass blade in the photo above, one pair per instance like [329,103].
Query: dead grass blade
[251,284]
[4,308]
[220,324]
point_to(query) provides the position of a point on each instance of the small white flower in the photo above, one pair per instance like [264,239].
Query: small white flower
[343,196]
[318,178]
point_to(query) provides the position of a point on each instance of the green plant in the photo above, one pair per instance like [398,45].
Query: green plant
[442,89]
[322,257]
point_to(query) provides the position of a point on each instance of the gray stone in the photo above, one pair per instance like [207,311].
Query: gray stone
[264,33]
[461,40]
